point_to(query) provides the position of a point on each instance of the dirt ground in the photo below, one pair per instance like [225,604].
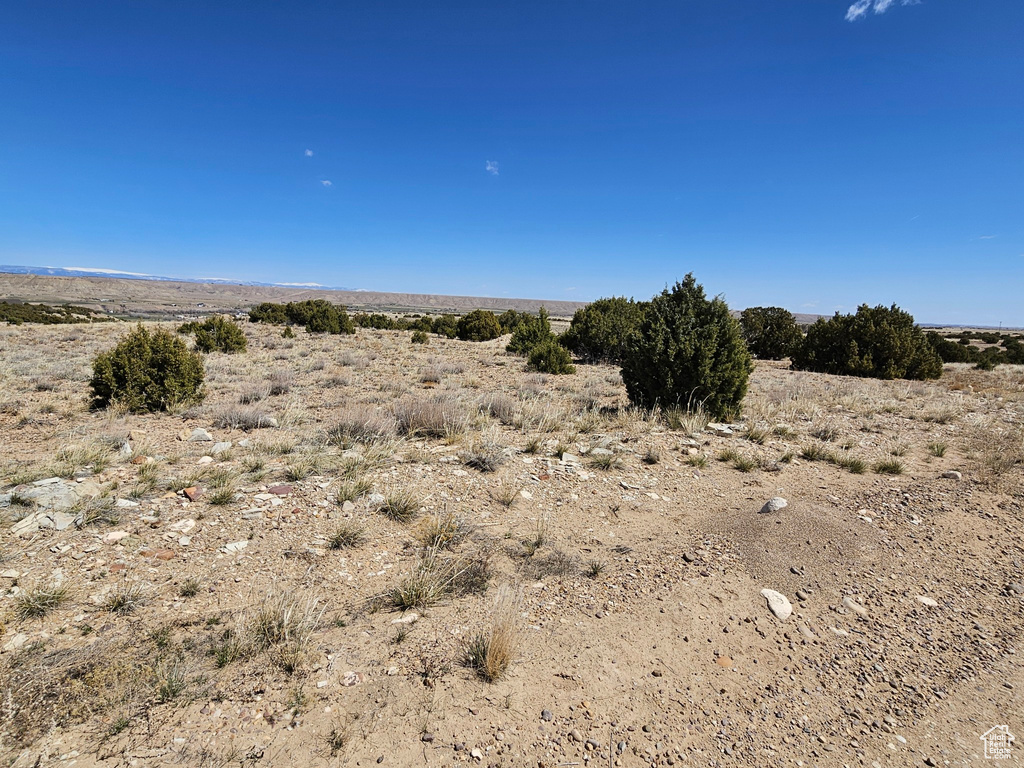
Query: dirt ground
[319,599]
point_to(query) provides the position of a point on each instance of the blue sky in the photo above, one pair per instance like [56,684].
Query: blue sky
[811,154]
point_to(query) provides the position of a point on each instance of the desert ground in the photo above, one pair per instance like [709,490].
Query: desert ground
[299,570]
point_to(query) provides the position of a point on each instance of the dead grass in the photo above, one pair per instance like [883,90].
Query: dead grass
[492,651]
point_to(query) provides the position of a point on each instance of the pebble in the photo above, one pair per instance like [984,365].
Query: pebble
[952,475]
[546,715]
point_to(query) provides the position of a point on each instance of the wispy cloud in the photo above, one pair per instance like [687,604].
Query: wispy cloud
[308,153]
[327,182]
[860,8]
[988,237]
[492,167]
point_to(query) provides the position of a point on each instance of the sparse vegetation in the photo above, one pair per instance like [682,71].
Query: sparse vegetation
[216,334]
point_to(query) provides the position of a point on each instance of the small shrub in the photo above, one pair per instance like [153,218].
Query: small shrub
[744,464]
[147,372]
[888,467]
[652,455]
[601,331]
[420,337]
[478,325]
[400,505]
[698,460]
[938,450]
[486,455]
[550,357]
[852,464]
[361,425]
[442,417]
[38,600]
[217,334]
[189,587]
[529,333]
[125,598]
[444,531]
[354,489]
[771,333]
[687,349]
[346,536]
[245,419]
[491,653]
[880,342]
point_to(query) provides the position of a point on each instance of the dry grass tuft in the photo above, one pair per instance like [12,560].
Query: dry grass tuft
[38,600]
[441,417]
[492,652]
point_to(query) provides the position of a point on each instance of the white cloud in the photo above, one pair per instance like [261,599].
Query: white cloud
[309,153]
[988,237]
[492,167]
[860,8]
[326,182]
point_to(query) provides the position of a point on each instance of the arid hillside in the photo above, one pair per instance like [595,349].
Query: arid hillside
[161,298]
[360,551]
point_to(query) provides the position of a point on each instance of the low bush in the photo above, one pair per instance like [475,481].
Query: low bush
[530,332]
[601,330]
[147,372]
[420,337]
[550,357]
[771,333]
[688,349]
[478,325]
[216,335]
[880,342]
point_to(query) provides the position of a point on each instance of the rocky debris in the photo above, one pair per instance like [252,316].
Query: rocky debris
[42,520]
[220,447]
[14,643]
[926,601]
[952,474]
[778,603]
[721,430]
[56,494]
[774,504]
[200,435]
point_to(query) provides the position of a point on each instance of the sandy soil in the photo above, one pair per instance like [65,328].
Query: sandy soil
[228,631]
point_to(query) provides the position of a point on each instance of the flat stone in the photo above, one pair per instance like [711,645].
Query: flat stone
[280,490]
[193,492]
[852,605]
[15,642]
[235,546]
[723,661]
[62,521]
[115,536]
[952,475]
[409,618]
[774,505]
[220,447]
[926,601]
[205,460]
[778,603]
[200,435]
[125,503]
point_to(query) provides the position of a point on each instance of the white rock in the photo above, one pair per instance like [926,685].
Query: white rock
[952,475]
[220,447]
[571,458]
[926,601]
[205,460]
[15,642]
[774,505]
[235,546]
[115,536]
[778,603]
[125,503]
[200,435]
[526,494]
[409,618]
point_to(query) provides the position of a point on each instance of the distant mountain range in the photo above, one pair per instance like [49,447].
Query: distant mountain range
[95,272]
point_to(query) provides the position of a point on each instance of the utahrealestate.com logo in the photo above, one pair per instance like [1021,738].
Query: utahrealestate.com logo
[998,742]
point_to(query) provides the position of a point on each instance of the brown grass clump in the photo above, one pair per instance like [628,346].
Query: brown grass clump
[441,417]
[492,652]
[362,425]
